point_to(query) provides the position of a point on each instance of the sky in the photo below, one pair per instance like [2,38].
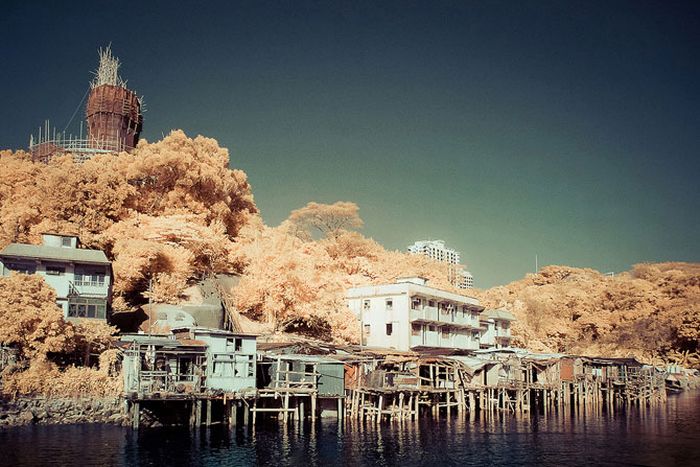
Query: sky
[563,130]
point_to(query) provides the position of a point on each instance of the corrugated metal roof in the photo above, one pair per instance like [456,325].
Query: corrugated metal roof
[22,250]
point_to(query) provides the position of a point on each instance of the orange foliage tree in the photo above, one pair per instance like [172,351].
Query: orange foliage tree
[46,344]
[650,312]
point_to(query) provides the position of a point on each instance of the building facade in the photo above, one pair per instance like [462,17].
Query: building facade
[438,251]
[496,328]
[82,278]
[435,249]
[411,315]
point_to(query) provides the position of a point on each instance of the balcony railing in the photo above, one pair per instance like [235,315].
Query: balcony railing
[89,288]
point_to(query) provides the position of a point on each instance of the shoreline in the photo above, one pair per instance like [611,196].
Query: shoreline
[24,411]
[32,411]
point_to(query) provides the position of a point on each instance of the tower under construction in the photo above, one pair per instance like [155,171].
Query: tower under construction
[113,116]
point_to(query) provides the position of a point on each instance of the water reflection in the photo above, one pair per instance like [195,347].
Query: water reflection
[663,435]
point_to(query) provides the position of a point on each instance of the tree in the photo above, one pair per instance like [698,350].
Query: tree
[30,320]
[327,219]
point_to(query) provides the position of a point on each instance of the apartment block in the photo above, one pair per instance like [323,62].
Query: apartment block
[409,314]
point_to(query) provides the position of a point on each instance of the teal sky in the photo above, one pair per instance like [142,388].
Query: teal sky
[569,130]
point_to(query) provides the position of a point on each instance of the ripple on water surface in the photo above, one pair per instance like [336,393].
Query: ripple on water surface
[665,435]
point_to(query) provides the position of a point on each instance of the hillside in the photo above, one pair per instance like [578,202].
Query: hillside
[652,311]
[173,212]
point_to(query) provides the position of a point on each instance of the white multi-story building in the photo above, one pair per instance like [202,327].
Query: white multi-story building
[436,250]
[411,315]
[465,280]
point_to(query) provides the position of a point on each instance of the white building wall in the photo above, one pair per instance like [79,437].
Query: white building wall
[420,325]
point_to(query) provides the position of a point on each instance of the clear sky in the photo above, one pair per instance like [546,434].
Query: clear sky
[564,129]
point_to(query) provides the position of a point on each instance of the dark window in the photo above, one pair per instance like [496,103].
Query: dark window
[389,304]
[23,268]
[55,270]
[66,241]
[389,328]
[238,344]
[365,305]
[431,303]
[416,329]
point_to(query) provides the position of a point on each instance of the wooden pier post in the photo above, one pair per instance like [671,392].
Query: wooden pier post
[233,414]
[135,415]
[198,413]
[313,407]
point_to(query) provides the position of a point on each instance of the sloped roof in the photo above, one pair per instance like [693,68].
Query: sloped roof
[498,314]
[79,255]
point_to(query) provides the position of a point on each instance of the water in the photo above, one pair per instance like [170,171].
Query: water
[664,435]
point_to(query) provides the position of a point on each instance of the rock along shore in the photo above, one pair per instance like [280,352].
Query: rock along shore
[42,411]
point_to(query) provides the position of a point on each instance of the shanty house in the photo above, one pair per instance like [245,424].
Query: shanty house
[155,365]
[81,277]
[230,357]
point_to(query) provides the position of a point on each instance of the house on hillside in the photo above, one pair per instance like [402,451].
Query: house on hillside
[410,315]
[82,278]
[205,304]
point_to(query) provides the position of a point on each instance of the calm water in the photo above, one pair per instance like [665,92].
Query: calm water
[667,435]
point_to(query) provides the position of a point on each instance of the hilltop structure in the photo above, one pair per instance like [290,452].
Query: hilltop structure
[113,116]
[436,250]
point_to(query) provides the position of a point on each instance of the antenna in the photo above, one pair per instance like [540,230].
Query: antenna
[537,267]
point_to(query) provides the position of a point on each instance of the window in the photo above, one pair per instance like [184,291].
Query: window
[415,304]
[367,329]
[66,242]
[236,343]
[416,329]
[92,279]
[432,328]
[445,333]
[251,366]
[365,305]
[55,270]
[389,304]
[87,308]
[22,268]
[431,303]
[389,328]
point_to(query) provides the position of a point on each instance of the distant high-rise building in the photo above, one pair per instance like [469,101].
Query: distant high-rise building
[436,249]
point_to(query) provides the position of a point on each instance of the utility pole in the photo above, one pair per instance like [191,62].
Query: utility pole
[537,268]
